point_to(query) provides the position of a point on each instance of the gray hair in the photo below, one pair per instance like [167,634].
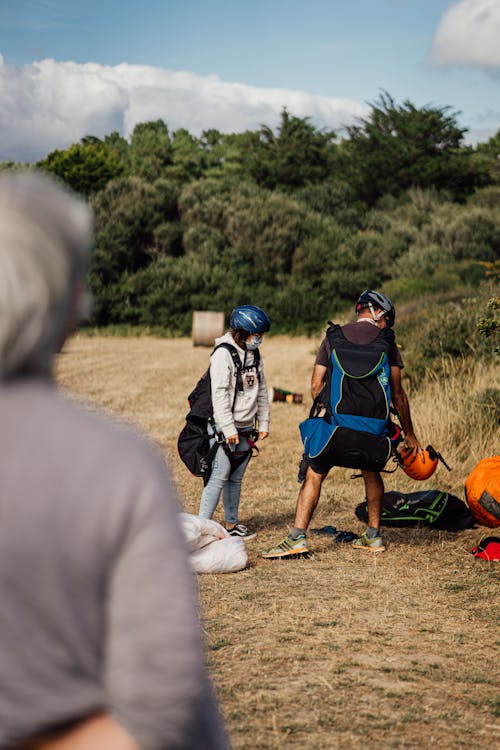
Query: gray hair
[45,241]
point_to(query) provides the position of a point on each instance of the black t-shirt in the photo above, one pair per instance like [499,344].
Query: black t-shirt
[357,333]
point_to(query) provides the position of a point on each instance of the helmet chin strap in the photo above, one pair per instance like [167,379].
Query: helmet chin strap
[375,317]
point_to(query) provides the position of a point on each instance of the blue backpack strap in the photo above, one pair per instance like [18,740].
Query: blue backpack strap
[323,399]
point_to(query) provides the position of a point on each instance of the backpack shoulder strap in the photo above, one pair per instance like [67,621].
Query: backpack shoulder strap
[256,362]
[322,400]
[386,335]
[333,332]
[232,351]
[237,361]
[237,365]
[336,338]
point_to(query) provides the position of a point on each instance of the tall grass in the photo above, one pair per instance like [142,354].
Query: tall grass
[459,411]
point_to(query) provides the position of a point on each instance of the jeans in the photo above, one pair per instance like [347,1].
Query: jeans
[221,480]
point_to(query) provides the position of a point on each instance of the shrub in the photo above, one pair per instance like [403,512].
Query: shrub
[167,238]
[203,240]
[405,289]
[487,197]
[475,234]
[420,262]
[203,202]
[436,332]
[127,213]
[266,228]
[318,255]
[335,199]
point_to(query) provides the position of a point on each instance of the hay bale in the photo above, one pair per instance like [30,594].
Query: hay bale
[207,326]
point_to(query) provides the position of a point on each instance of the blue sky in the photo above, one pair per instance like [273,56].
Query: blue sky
[71,67]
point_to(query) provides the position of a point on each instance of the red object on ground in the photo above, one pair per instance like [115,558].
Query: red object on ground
[488,549]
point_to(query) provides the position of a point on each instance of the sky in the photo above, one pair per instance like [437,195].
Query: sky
[70,68]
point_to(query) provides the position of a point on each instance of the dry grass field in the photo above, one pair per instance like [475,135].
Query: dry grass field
[345,649]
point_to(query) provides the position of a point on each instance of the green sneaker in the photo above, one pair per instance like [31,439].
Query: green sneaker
[288,548]
[369,544]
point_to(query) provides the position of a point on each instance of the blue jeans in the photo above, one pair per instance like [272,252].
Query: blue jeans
[221,480]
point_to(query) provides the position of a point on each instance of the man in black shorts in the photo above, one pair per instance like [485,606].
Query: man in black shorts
[374,311]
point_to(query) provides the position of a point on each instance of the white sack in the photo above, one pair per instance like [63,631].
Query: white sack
[200,531]
[212,548]
[221,556]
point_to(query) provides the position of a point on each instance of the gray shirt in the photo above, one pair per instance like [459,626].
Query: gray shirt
[98,607]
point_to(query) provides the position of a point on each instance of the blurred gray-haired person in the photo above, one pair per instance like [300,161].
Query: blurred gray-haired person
[100,640]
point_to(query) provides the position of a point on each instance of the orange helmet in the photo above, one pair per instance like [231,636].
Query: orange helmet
[415,467]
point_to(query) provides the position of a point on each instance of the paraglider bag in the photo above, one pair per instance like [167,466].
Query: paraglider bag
[342,446]
[195,448]
[438,509]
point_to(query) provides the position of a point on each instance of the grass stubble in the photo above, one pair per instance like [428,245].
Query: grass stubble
[343,649]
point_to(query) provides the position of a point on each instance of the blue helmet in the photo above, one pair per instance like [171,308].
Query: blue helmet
[250,319]
[379,300]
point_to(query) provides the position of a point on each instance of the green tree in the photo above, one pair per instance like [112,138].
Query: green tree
[11,165]
[131,230]
[150,150]
[119,147]
[86,166]
[214,147]
[264,230]
[398,147]
[336,199]
[205,201]
[187,157]
[489,153]
[296,155]
[227,155]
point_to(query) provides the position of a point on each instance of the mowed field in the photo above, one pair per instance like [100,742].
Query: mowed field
[344,649]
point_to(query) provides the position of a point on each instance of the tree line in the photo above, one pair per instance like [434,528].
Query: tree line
[296,219]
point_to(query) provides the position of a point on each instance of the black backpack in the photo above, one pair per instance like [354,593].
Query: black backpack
[193,443]
[441,510]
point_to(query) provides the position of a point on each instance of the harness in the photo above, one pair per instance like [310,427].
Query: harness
[195,443]
[236,457]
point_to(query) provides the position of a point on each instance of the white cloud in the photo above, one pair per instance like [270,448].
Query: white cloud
[469,35]
[49,104]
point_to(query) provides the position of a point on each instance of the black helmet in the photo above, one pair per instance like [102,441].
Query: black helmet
[377,299]
[250,319]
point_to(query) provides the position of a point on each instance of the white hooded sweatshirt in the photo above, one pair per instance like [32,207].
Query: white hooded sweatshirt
[251,402]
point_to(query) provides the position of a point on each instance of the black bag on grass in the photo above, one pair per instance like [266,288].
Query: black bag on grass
[441,510]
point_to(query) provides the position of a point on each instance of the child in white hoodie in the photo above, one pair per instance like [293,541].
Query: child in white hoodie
[239,401]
